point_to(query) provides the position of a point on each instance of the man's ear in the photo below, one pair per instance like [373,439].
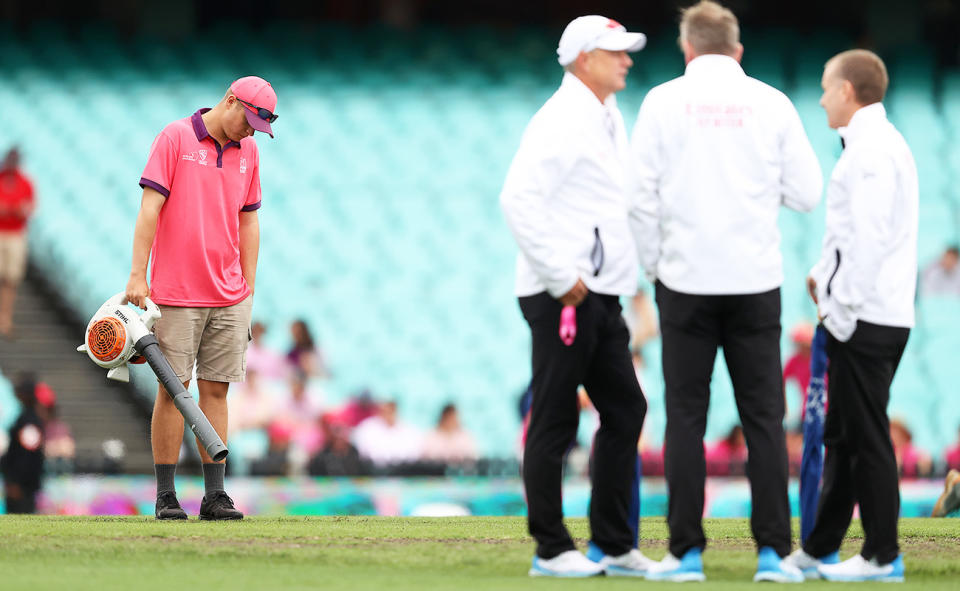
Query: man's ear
[583,59]
[848,91]
[689,53]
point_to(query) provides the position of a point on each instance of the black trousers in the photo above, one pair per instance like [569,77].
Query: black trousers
[860,466]
[748,329]
[599,359]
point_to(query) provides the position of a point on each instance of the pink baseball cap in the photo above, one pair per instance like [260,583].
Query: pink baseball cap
[259,102]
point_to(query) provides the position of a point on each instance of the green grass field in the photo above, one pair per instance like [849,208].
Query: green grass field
[387,554]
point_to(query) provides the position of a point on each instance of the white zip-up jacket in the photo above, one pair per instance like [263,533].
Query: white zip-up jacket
[715,154]
[565,198]
[868,265]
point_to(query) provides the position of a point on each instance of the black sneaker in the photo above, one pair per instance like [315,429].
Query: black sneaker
[168,507]
[218,506]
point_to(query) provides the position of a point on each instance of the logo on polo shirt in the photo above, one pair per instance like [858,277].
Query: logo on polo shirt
[192,157]
[203,157]
[243,165]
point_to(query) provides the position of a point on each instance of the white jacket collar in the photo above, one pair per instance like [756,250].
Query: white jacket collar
[576,87]
[862,121]
[713,63]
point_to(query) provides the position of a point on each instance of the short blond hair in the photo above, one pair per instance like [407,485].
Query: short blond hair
[865,71]
[710,28]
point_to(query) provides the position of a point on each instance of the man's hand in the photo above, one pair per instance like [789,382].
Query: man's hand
[575,296]
[812,289]
[137,290]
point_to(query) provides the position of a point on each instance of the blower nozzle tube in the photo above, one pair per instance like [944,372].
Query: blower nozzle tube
[148,347]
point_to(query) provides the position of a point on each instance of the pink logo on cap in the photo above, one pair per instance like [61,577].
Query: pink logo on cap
[612,24]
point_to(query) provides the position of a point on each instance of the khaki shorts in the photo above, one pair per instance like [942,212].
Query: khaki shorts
[213,338]
[13,256]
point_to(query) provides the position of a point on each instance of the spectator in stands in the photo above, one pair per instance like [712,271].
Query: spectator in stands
[22,465]
[942,276]
[642,320]
[952,455]
[300,412]
[249,404]
[911,460]
[449,442]
[797,368]
[949,501]
[728,455]
[201,193]
[384,440]
[338,457]
[276,462]
[266,362]
[651,458]
[716,154]
[359,408]
[16,207]
[565,202]
[304,355]
[60,449]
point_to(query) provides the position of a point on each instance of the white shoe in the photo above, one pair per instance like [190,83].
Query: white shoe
[688,568]
[808,564]
[631,564]
[567,564]
[857,569]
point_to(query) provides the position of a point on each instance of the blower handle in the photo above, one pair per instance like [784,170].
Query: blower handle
[148,317]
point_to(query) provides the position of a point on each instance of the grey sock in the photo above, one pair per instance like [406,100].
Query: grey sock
[213,477]
[165,474]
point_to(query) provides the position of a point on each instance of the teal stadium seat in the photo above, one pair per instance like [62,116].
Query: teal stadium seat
[381,224]
[9,405]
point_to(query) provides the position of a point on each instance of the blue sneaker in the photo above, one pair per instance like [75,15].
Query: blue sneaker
[569,564]
[808,564]
[629,564]
[857,569]
[674,570]
[770,567]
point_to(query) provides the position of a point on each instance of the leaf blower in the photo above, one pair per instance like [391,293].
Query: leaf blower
[118,335]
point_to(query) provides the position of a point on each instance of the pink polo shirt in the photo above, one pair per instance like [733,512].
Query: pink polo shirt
[196,251]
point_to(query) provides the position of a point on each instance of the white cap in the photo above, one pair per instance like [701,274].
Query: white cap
[587,33]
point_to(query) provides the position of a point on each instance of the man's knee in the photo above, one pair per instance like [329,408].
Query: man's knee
[215,390]
[630,415]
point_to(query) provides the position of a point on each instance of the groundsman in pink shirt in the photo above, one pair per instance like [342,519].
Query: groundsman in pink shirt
[198,223]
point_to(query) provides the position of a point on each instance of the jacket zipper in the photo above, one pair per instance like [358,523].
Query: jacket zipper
[834,274]
[596,254]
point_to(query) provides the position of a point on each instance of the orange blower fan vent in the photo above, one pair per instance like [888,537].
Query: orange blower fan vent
[107,338]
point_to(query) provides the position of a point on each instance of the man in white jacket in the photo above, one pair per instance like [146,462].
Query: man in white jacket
[716,154]
[864,286]
[565,202]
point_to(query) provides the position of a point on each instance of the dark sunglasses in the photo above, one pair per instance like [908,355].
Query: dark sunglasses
[261,112]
